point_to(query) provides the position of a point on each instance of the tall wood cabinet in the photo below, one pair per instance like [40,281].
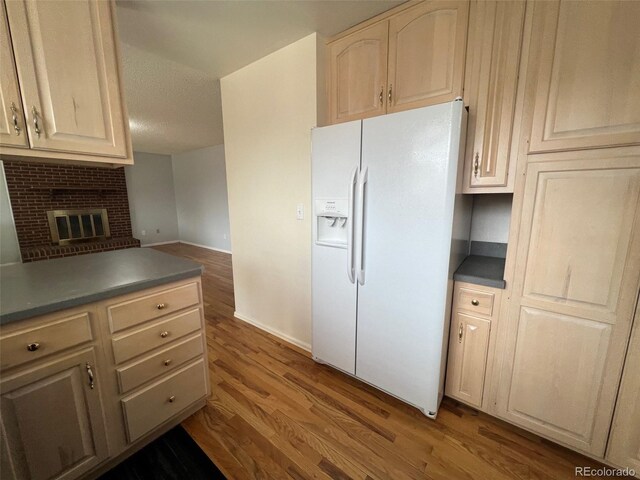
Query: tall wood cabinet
[68,100]
[425,48]
[576,280]
[573,266]
[491,78]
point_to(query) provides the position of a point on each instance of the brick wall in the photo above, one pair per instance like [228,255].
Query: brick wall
[30,190]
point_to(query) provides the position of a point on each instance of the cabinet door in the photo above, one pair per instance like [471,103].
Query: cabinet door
[52,420]
[491,76]
[68,71]
[624,442]
[468,347]
[575,286]
[585,59]
[426,54]
[12,131]
[359,74]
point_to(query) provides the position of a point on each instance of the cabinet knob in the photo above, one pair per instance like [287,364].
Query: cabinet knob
[475,302]
[32,347]
[160,306]
[164,334]
[172,399]
[167,362]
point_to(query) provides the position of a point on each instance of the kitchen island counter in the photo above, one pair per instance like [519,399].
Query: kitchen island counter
[31,289]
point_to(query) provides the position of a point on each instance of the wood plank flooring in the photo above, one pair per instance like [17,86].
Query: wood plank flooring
[276,414]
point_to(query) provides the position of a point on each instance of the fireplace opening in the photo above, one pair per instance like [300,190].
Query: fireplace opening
[84,225]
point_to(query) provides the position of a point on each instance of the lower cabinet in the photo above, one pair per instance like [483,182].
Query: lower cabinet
[53,423]
[82,388]
[474,309]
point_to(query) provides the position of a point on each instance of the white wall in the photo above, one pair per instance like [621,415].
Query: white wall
[201,197]
[152,200]
[9,248]
[491,216]
[268,109]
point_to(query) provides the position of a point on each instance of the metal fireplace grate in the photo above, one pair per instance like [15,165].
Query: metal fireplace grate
[69,226]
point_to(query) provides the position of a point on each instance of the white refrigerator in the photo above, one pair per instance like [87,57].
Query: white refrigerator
[389,229]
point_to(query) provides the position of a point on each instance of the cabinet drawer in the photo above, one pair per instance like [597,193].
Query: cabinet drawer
[141,309]
[31,344]
[155,335]
[164,361]
[476,301]
[147,409]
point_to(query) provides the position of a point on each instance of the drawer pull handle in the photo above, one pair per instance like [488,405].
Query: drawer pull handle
[460,332]
[90,373]
[32,347]
[475,302]
[167,362]
[161,306]
[172,398]
[164,334]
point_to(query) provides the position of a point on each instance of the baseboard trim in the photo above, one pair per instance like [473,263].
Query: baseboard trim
[160,243]
[10,263]
[287,338]
[206,246]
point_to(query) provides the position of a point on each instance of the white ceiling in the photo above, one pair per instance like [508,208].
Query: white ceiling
[175,52]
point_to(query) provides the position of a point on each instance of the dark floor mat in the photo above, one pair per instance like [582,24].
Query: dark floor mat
[174,455]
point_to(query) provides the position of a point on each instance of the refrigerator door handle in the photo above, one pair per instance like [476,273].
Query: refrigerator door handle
[364,178]
[352,186]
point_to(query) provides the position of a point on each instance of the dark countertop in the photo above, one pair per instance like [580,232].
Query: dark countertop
[482,270]
[31,289]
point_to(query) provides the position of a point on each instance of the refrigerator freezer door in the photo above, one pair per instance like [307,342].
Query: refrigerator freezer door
[411,160]
[335,164]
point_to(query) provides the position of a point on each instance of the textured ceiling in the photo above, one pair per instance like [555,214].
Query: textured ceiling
[174,53]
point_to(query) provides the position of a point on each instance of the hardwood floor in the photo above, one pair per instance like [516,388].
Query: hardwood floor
[276,414]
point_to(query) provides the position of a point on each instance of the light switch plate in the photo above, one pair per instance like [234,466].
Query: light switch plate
[300,211]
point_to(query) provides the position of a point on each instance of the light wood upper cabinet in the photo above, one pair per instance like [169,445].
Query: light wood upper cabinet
[71,99]
[491,77]
[426,54]
[425,46]
[624,442]
[358,72]
[52,420]
[576,280]
[587,87]
[69,76]
[12,127]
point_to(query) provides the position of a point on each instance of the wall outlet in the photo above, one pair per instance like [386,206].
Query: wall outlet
[300,211]
[143,233]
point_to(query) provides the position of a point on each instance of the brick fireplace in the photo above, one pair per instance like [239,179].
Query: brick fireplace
[38,188]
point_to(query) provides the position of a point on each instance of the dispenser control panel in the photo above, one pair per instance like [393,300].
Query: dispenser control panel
[331,222]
